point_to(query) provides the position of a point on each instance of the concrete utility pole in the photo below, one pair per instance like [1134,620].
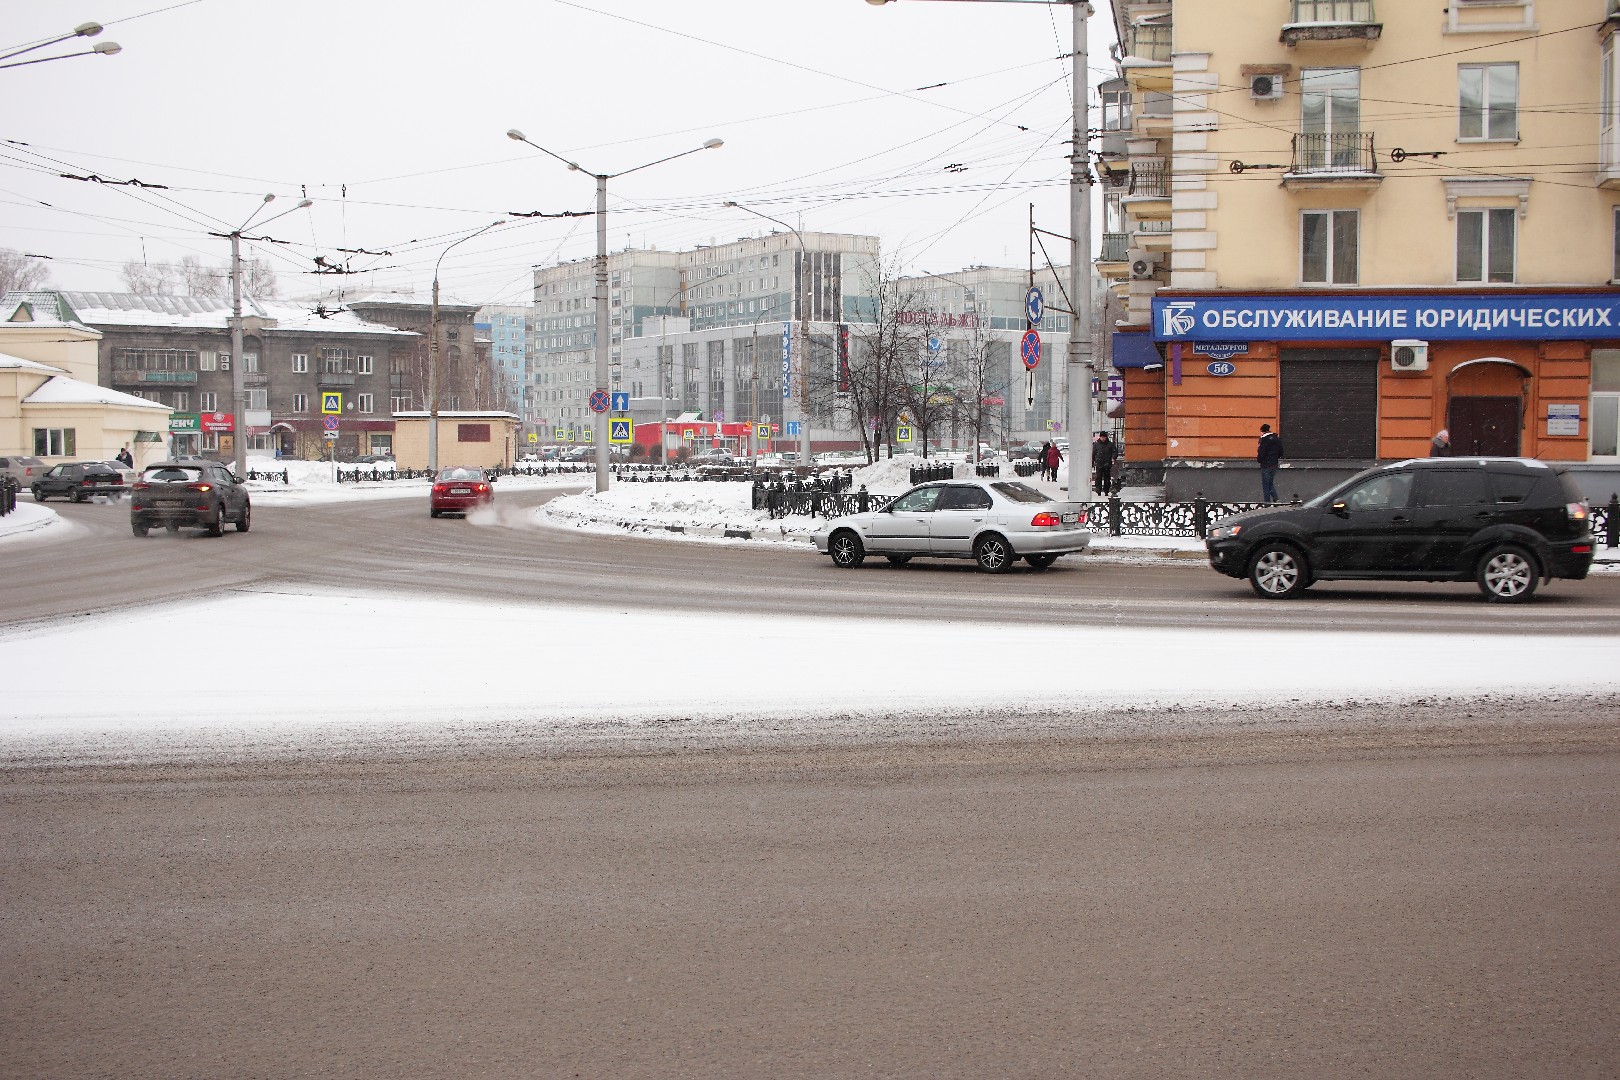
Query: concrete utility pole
[602,331]
[1079,368]
[238,382]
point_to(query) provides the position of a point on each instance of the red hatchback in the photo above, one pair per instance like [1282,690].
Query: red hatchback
[459,488]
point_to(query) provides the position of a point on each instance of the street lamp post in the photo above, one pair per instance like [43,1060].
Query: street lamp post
[803,374]
[238,379]
[602,375]
[433,352]
[89,29]
[1080,319]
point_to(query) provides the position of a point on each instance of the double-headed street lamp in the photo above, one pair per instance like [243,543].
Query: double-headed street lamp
[238,382]
[89,29]
[602,375]
[1080,318]
[433,351]
[802,376]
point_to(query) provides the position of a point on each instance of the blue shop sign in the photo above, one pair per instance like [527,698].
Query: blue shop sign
[1430,316]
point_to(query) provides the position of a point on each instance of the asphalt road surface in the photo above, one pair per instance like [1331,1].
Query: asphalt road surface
[1391,891]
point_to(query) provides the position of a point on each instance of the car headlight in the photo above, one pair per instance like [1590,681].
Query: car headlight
[1224,532]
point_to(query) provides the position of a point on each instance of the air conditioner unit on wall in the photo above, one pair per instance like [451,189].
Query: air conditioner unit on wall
[1266,87]
[1143,263]
[1407,354]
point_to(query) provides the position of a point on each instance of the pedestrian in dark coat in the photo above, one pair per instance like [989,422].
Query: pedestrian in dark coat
[1053,456]
[1041,457]
[126,457]
[1269,454]
[1102,463]
[1441,444]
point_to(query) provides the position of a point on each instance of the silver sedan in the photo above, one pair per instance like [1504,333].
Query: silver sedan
[993,522]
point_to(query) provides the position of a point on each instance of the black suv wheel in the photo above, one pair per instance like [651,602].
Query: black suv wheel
[1507,575]
[1277,572]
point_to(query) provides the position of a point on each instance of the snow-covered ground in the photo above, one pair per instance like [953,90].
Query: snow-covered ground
[407,679]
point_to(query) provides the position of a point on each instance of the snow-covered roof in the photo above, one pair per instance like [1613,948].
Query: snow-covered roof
[18,363]
[43,308]
[408,299]
[207,313]
[62,390]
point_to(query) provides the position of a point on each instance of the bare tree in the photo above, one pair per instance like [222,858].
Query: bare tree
[22,273]
[978,376]
[883,354]
[190,276]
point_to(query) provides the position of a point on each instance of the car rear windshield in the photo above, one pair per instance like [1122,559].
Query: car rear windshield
[459,474]
[172,474]
[1572,490]
[1022,493]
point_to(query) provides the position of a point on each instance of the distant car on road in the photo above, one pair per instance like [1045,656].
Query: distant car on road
[458,489]
[1504,523]
[714,456]
[374,459]
[24,470]
[189,494]
[993,522]
[79,480]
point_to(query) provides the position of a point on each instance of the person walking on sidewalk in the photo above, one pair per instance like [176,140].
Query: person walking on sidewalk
[1102,463]
[1053,457]
[1440,445]
[1269,454]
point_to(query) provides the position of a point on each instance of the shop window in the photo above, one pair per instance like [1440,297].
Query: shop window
[1487,102]
[1329,242]
[1485,245]
[1604,421]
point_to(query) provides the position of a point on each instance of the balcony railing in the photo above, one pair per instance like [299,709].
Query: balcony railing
[1114,246]
[1334,153]
[335,378]
[1333,11]
[153,378]
[1154,227]
[1149,180]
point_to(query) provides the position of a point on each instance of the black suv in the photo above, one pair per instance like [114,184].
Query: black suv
[1502,522]
[196,493]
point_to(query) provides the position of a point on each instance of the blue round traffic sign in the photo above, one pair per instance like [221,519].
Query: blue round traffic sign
[1034,305]
[1029,349]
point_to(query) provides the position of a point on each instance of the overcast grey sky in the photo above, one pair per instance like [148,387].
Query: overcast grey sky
[392,117]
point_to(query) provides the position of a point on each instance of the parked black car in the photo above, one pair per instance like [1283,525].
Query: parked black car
[1505,523]
[79,481]
[192,494]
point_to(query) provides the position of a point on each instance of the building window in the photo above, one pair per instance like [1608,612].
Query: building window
[400,402]
[207,401]
[300,363]
[1615,275]
[210,440]
[1488,102]
[453,403]
[300,403]
[1485,245]
[55,442]
[250,363]
[207,362]
[362,365]
[365,402]
[337,361]
[1328,241]
[182,402]
[1604,416]
[258,397]
[472,433]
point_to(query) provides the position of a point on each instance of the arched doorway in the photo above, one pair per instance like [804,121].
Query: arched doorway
[1485,407]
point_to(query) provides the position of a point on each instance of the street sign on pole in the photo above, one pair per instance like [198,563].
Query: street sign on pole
[600,400]
[621,431]
[1029,349]
[1034,305]
[331,401]
[621,401]
[902,433]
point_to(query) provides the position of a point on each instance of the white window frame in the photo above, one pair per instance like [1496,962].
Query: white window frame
[363,402]
[207,401]
[207,361]
[250,363]
[1486,105]
[1486,214]
[182,402]
[362,364]
[1601,402]
[58,442]
[300,363]
[1329,279]
[300,403]
[258,398]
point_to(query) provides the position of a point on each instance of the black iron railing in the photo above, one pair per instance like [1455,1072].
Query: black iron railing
[1328,153]
[8,494]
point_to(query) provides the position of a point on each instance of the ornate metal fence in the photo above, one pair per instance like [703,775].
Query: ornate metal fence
[8,494]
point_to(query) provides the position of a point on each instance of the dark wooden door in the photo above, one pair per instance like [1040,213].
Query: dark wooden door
[1485,426]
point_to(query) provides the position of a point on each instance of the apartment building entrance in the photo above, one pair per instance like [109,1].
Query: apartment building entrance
[1485,426]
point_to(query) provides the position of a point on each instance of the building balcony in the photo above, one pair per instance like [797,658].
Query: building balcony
[255,379]
[1333,159]
[1331,22]
[1152,235]
[134,377]
[1146,63]
[1114,247]
[335,378]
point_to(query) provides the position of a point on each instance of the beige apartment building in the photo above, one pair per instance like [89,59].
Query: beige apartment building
[1363,221]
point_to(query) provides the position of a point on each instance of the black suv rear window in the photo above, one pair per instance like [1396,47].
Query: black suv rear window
[1453,487]
[1512,487]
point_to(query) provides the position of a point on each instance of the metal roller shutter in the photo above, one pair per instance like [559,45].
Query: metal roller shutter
[1329,405]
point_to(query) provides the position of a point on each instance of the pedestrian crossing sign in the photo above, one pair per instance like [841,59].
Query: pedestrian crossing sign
[561,435]
[621,432]
[331,402]
[902,433]
[762,431]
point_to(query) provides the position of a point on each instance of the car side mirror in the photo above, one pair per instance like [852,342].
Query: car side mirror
[1340,508]
[239,479]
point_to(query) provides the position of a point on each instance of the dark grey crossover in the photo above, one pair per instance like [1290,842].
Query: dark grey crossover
[1504,523]
[189,494]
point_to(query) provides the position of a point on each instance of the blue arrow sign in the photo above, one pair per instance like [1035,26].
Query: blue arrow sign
[621,401]
[1034,305]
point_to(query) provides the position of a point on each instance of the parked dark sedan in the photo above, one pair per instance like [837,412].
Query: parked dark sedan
[1504,523]
[79,481]
[193,494]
